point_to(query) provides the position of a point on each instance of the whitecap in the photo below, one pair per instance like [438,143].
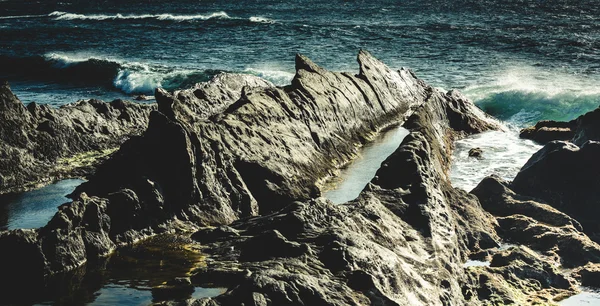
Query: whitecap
[261,20]
[275,76]
[22,16]
[504,153]
[71,16]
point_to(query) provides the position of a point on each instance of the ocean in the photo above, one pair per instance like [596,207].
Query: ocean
[521,61]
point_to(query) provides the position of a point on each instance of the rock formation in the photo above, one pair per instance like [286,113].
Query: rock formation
[241,162]
[566,177]
[585,127]
[232,148]
[40,144]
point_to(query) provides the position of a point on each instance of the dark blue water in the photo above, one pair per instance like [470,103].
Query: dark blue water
[35,208]
[523,60]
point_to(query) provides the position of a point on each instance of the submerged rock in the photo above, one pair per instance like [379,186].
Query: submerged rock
[40,144]
[476,152]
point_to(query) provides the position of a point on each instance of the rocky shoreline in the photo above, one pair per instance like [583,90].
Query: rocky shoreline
[240,162]
[41,144]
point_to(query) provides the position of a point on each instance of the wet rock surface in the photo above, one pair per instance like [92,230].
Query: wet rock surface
[531,222]
[40,144]
[476,152]
[402,242]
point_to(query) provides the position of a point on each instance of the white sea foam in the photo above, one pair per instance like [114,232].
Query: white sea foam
[529,79]
[62,60]
[22,16]
[274,75]
[71,16]
[504,153]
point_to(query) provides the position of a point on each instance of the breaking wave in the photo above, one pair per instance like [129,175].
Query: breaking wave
[57,15]
[125,76]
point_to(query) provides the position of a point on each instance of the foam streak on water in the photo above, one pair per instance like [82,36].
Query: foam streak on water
[504,153]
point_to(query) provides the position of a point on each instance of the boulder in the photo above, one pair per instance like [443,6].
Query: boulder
[476,152]
[565,177]
[547,130]
[579,131]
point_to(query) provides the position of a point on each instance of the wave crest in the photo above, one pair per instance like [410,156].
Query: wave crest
[523,95]
[70,16]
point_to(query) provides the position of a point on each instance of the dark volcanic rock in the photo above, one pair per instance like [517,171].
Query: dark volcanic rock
[402,242]
[528,221]
[248,157]
[589,275]
[476,152]
[585,127]
[234,155]
[566,177]
[39,144]
[547,130]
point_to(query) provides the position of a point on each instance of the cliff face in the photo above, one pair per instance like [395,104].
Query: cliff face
[41,144]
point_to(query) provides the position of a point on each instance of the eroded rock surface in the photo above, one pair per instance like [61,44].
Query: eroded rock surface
[531,222]
[40,144]
[231,148]
[566,177]
[245,160]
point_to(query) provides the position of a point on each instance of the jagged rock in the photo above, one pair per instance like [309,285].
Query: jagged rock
[40,144]
[547,130]
[566,177]
[239,146]
[528,221]
[224,153]
[518,276]
[589,275]
[476,152]
[233,147]
[402,242]
[579,131]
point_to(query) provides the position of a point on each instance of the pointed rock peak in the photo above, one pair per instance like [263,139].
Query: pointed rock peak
[7,98]
[304,63]
[165,102]
[366,61]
